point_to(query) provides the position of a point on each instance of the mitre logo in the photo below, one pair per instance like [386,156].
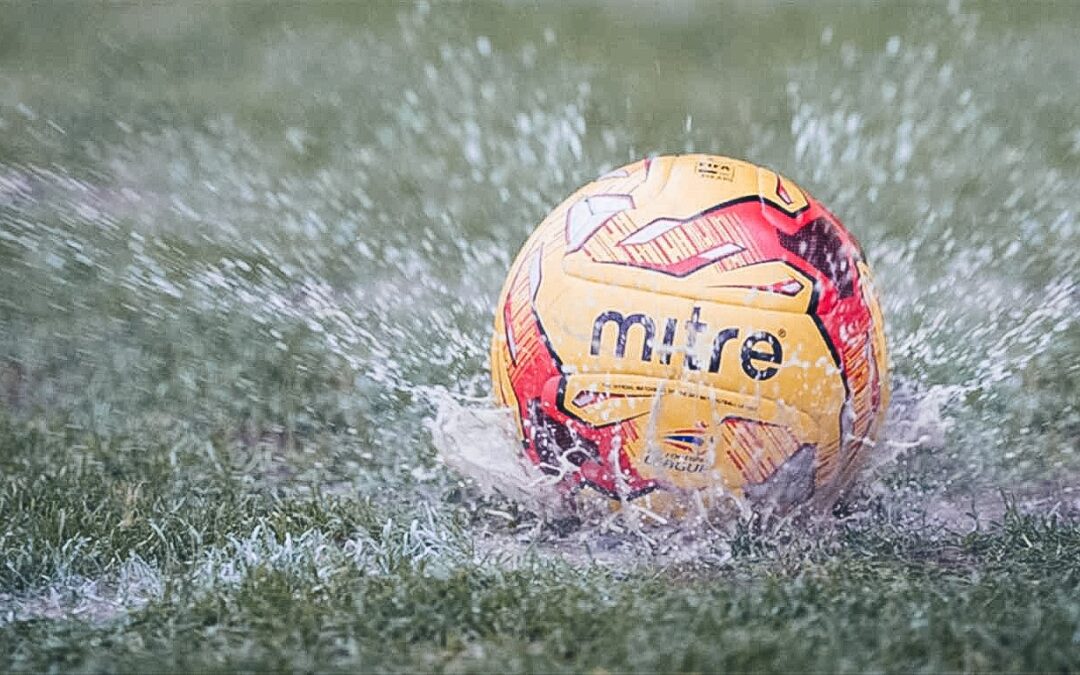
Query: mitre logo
[759,353]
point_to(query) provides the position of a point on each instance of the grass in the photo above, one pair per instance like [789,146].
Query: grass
[240,247]
[261,580]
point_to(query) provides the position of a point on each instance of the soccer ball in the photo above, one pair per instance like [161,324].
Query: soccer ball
[693,328]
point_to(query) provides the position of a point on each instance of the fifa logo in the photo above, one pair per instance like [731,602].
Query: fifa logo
[759,352]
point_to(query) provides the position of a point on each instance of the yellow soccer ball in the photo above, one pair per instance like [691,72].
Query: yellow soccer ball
[697,327]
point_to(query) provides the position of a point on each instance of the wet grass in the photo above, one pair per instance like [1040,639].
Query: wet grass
[258,580]
[239,247]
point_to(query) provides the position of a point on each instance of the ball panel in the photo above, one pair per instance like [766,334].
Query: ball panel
[759,353]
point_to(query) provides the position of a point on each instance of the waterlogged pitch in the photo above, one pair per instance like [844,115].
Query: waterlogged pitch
[249,260]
